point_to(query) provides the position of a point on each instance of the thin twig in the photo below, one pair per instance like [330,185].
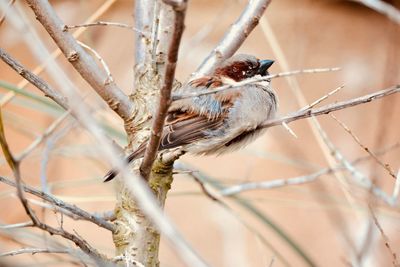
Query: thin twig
[144,17]
[16,225]
[301,114]
[103,63]
[136,187]
[385,238]
[84,215]
[44,136]
[372,154]
[235,36]
[3,16]
[239,188]
[57,52]
[165,94]
[81,243]
[33,251]
[82,62]
[34,79]
[319,100]
[252,80]
[382,7]
[5,147]
[396,189]
[104,23]
[357,176]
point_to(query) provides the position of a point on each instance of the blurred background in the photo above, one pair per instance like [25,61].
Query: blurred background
[329,219]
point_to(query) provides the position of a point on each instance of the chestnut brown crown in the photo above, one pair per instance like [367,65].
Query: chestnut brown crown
[242,66]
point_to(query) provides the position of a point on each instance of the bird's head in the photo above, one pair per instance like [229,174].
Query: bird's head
[240,67]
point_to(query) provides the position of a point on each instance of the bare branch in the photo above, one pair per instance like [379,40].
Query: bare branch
[396,189]
[271,184]
[372,154]
[385,238]
[319,100]
[34,79]
[251,80]
[39,69]
[236,189]
[33,251]
[3,16]
[16,225]
[84,215]
[99,58]
[81,243]
[43,137]
[105,23]
[11,161]
[143,195]
[301,114]
[81,61]
[357,176]
[234,38]
[165,94]
[382,7]
[144,16]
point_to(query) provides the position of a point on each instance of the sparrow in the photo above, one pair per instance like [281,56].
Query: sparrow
[220,122]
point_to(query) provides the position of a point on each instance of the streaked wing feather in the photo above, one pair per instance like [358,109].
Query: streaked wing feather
[187,128]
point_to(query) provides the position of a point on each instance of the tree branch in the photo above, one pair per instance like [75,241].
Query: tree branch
[165,94]
[34,79]
[250,81]
[271,184]
[382,7]
[144,15]
[302,114]
[234,38]
[84,215]
[81,60]
[33,251]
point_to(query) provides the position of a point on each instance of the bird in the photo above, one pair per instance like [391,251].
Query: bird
[221,122]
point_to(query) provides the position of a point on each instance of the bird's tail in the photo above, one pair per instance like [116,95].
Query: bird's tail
[137,154]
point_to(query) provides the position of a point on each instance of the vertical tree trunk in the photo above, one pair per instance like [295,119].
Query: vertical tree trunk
[136,237]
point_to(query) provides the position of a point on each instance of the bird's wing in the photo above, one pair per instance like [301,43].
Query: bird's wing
[194,119]
[182,128]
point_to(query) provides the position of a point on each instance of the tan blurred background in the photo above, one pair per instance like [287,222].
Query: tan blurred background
[330,223]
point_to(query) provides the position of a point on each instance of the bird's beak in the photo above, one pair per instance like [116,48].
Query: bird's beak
[264,66]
